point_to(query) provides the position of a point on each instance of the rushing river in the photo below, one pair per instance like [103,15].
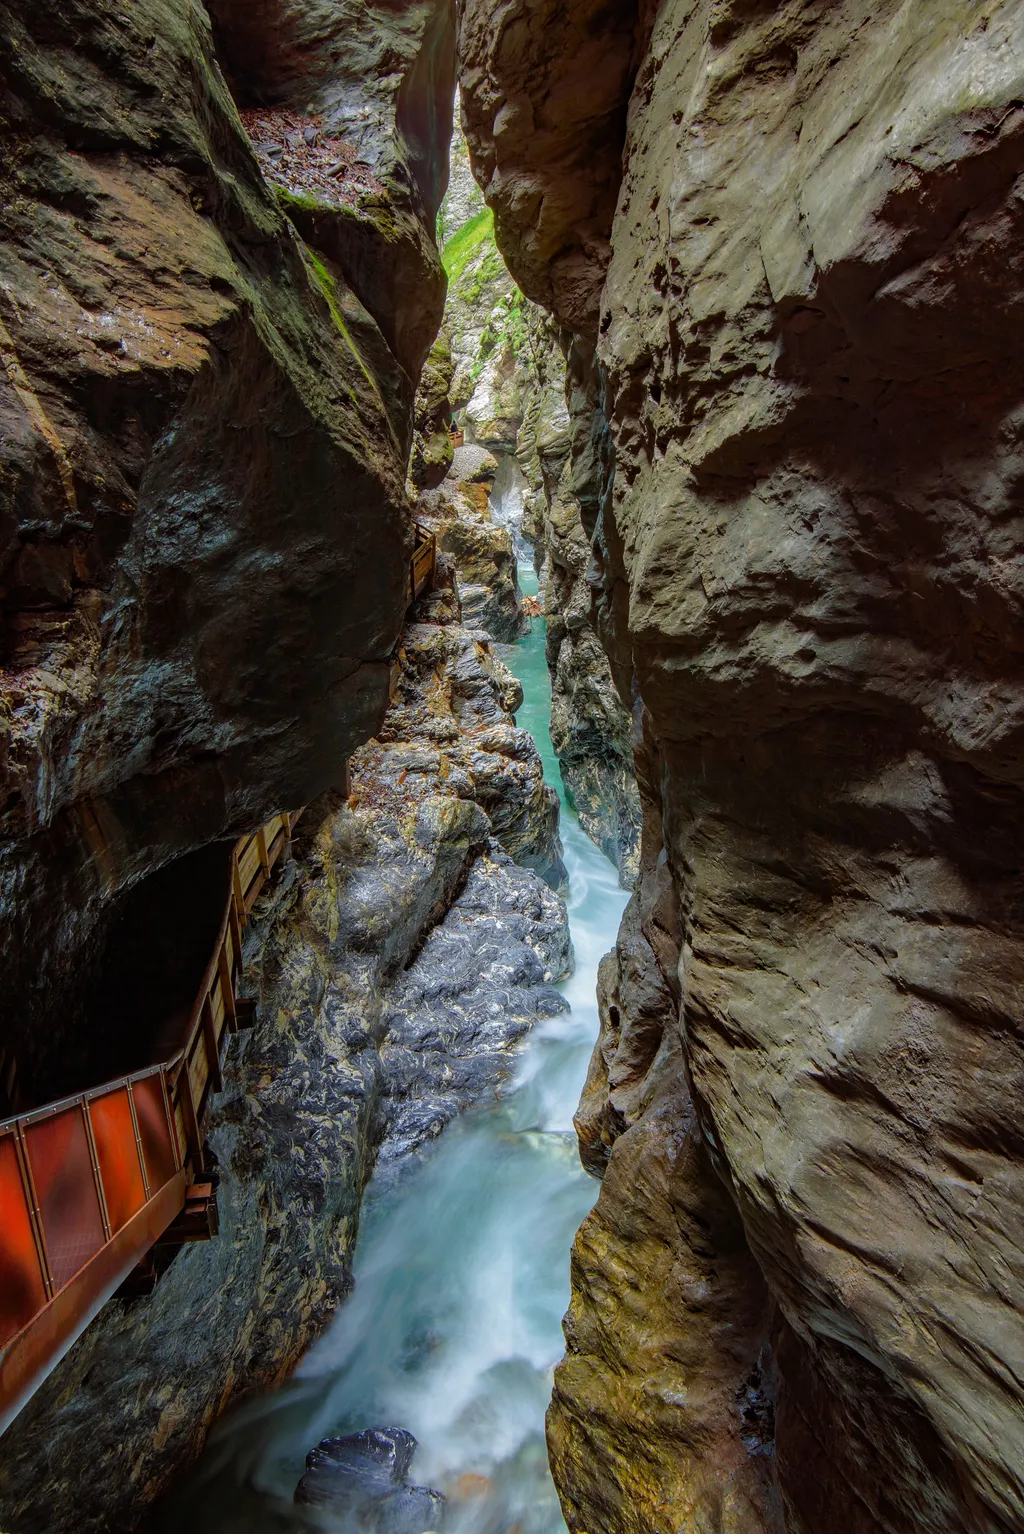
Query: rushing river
[461,1268]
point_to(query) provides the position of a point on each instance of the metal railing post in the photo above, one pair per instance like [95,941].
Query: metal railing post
[138,1141]
[28,1183]
[96,1172]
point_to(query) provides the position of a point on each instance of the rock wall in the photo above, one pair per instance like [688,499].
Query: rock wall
[394,964]
[482,552]
[515,397]
[206,426]
[591,729]
[805,311]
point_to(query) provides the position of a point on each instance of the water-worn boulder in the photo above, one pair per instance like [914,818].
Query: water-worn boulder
[807,312]
[203,523]
[361,1479]
[395,964]
[454,699]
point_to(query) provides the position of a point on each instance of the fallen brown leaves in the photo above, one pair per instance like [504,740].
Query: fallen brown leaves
[297,153]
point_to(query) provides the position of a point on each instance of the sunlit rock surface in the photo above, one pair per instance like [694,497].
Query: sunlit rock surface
[203,523]
[806,311]
[394,963]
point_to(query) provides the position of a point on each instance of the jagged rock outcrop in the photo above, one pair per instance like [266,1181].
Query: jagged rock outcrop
[482,552]
[203,523]
[376,79]
[432,448]
[806,312]
[395,965]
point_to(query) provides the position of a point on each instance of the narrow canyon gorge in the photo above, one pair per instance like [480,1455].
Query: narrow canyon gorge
[511,831]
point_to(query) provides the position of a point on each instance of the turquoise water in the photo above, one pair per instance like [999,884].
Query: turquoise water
[528,661]
[462,1270]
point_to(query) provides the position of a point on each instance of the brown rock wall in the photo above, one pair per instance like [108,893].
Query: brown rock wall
[810,340]
[203,526]
[544,93]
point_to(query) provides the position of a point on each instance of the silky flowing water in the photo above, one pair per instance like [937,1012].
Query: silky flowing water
[461,1270]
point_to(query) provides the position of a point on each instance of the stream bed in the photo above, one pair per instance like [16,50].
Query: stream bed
[461,1271]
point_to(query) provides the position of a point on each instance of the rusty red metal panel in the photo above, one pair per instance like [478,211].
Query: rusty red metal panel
[29,1356]
[154,1131]
[22,1291]
[74,1215]
[58,1153]
[118,1154]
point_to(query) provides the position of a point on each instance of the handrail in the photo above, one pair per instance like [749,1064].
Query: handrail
[423,564]
[90,1182]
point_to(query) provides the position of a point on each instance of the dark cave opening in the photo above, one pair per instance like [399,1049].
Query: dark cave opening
[137,1008]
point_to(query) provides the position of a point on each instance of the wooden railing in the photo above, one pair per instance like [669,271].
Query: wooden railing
[423,565]
[90,1183]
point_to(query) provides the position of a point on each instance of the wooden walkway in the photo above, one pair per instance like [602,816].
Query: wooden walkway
[89,1184]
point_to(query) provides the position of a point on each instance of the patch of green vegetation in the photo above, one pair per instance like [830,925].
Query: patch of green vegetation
[466,242]
[329,288]
[506,331]
[288,200]
[490,270]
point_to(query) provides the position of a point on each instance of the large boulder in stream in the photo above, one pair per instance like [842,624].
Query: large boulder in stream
[361,1478]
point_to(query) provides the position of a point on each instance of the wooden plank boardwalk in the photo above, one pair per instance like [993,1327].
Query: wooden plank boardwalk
[89,1184]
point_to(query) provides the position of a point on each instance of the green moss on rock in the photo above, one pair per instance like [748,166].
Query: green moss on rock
[466,242]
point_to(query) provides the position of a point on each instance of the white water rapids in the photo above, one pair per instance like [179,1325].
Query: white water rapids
[461,1268]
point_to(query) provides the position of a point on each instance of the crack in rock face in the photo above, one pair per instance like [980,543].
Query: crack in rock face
[787,239]
[509,385]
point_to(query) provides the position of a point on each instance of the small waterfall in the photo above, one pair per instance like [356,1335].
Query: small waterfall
[507,499]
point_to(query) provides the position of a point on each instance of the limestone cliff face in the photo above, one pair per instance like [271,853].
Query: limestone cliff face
[515,397]
[394,964]
[806,312]
[205,429]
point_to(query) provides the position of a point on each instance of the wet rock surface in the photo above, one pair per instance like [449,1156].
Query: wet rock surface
[374,79]
[806,564]
[394,964]
[361,1478]
[591,729]
[203,528]
[480,549]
